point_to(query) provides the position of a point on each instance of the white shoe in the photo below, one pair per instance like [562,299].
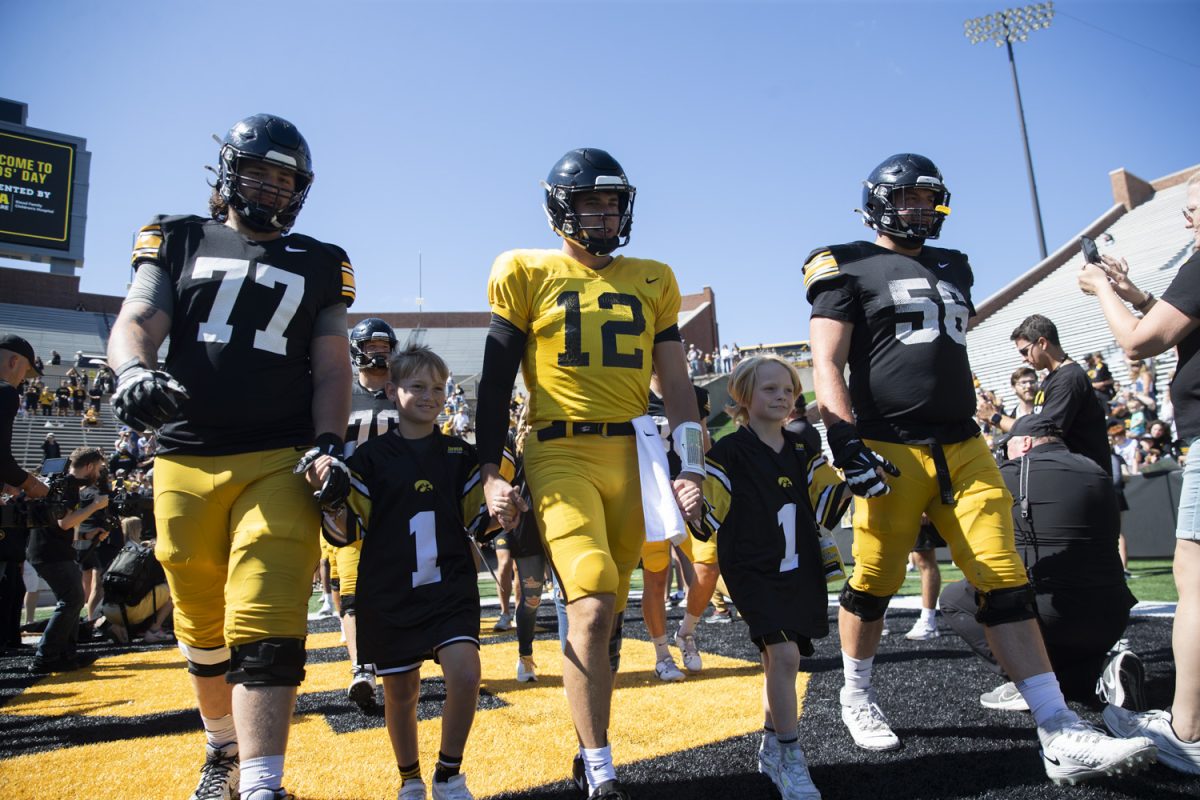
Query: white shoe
[413,790]
[1005,697]
[1077,751]
[923,631]
[867,725]
[1156,726]
[453,789]
[526,669]
[768,758]
[504,623]
[688,652]
[362,687]
[794,781]
[326,609]
[220,774]
[666,670]
[1123,681]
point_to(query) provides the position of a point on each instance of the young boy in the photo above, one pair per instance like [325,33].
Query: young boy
[414,495]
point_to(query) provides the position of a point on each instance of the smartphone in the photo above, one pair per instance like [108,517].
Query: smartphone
[1090,253]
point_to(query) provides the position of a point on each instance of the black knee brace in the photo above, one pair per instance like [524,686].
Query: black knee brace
[269,662]
[1001,606]
[347,605]
[614,641]
[866,607]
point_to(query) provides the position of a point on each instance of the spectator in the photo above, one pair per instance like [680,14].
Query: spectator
[79,359]
[55,358]
[38,365]
[95,395]
[50,448]
[1141,378]
[33,390]
[46,401]
[78,395]
[1163,441]
[1139,418]
[1101,378]
[1122,445]
[1173,321]
[62,399]
[90,419]
[726,359]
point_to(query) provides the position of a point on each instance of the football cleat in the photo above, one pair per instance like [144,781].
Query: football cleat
[666,670]
[220,774]
[609,790]
[1077,751]
[866,722]
[1156,726]
[1123,681]
[688,652]
[1004,698]
[579,774]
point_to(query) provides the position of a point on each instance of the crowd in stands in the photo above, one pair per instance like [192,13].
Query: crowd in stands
[79,392]
[720,361]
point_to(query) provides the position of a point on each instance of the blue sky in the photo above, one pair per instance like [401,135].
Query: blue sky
[746,126]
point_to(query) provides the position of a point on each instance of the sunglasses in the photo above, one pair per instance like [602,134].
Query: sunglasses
[1024,351]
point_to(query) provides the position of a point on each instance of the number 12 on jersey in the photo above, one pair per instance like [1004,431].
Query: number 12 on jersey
[574,355]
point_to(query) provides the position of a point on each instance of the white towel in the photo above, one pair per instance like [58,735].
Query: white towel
[663,518]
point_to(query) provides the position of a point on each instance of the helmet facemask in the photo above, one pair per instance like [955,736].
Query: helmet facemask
[265,217]
[892,210]
[589,230]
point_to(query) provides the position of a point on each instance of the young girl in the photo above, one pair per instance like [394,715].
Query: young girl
[414,495]
[765,492]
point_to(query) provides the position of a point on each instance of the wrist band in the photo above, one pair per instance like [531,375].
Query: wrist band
[1142,306]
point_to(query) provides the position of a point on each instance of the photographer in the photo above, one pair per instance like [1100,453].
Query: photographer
[16,363]
[53,556]
[97,541]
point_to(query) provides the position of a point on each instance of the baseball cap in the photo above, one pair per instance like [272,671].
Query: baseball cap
[16,344]
[1035,425]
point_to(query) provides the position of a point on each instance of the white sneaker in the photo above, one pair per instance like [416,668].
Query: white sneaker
[326,609]
[362,687]
[1077,751]
[867,725]
[1156,726]
[666,670]
[794,781]
[504,623]
[1005,697]
[923,631]
[220,774]
[526,669]
[1123,681]
[413,790]
[688,652]
[453,789]
[768,758]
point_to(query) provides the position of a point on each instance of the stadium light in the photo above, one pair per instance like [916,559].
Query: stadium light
[1004,28]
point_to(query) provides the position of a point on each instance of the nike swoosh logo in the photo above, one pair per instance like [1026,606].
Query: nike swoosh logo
[942,266]
[651,280]
[1053,761]
[289,249]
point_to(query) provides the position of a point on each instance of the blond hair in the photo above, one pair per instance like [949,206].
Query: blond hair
[745,378]
[413,359]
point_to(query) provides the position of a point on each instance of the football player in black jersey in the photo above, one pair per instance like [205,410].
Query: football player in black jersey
[372,343]
[896,311]
[249,305]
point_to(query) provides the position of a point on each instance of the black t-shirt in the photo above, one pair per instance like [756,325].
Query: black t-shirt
[1073,521]
[1066,396]
[1100,374]
[910,380]
[241,331]
[1184,295]
[10,471]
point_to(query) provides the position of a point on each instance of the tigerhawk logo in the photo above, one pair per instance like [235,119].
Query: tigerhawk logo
[785,481]
[423,486]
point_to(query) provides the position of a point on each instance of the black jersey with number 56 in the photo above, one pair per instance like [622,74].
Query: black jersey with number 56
[241,331]
[910,380]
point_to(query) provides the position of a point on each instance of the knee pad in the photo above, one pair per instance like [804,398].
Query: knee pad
[268,662]
[615,640]
[206,662]
[347,605]
[1001,606]
[866,607]
[595,573]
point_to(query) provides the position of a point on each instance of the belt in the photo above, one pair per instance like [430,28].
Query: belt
[558,429]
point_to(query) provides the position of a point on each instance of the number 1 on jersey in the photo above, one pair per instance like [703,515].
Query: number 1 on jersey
[423,528]
[787,523]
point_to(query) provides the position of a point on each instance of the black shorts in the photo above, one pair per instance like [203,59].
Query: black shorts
[409,663]
[779,637]
[928,538]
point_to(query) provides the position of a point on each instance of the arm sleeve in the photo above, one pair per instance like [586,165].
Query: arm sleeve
[10,471]
[331,321]
[666,311]
[826,491]
[152,286]
[501,359]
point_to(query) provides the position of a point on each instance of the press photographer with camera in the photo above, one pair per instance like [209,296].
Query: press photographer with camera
[17,361]
[52,553]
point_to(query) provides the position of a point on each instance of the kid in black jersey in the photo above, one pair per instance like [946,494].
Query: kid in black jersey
[765,492]
[414,496]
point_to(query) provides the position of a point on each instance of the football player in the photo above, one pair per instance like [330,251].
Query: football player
[372,343]
[586,326]
[252,307]
[896,311]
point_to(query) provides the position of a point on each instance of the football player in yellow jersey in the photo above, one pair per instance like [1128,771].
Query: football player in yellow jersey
[586,327]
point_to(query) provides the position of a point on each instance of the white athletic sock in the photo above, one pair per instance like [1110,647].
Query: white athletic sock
[688,625]
[261,773]
[598,765]
[928,615]
[1045,699]
[857,672]
[219,732]
[327,598]
[660,647]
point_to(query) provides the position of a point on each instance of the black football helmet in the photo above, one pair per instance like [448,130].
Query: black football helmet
[371,329]
[887,209]
[588,170]
[273,140]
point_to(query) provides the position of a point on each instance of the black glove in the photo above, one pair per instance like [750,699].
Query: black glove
[146,398]
[336,488]
[858,462]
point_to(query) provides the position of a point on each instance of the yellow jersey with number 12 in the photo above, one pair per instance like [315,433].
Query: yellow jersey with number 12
[589,333]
